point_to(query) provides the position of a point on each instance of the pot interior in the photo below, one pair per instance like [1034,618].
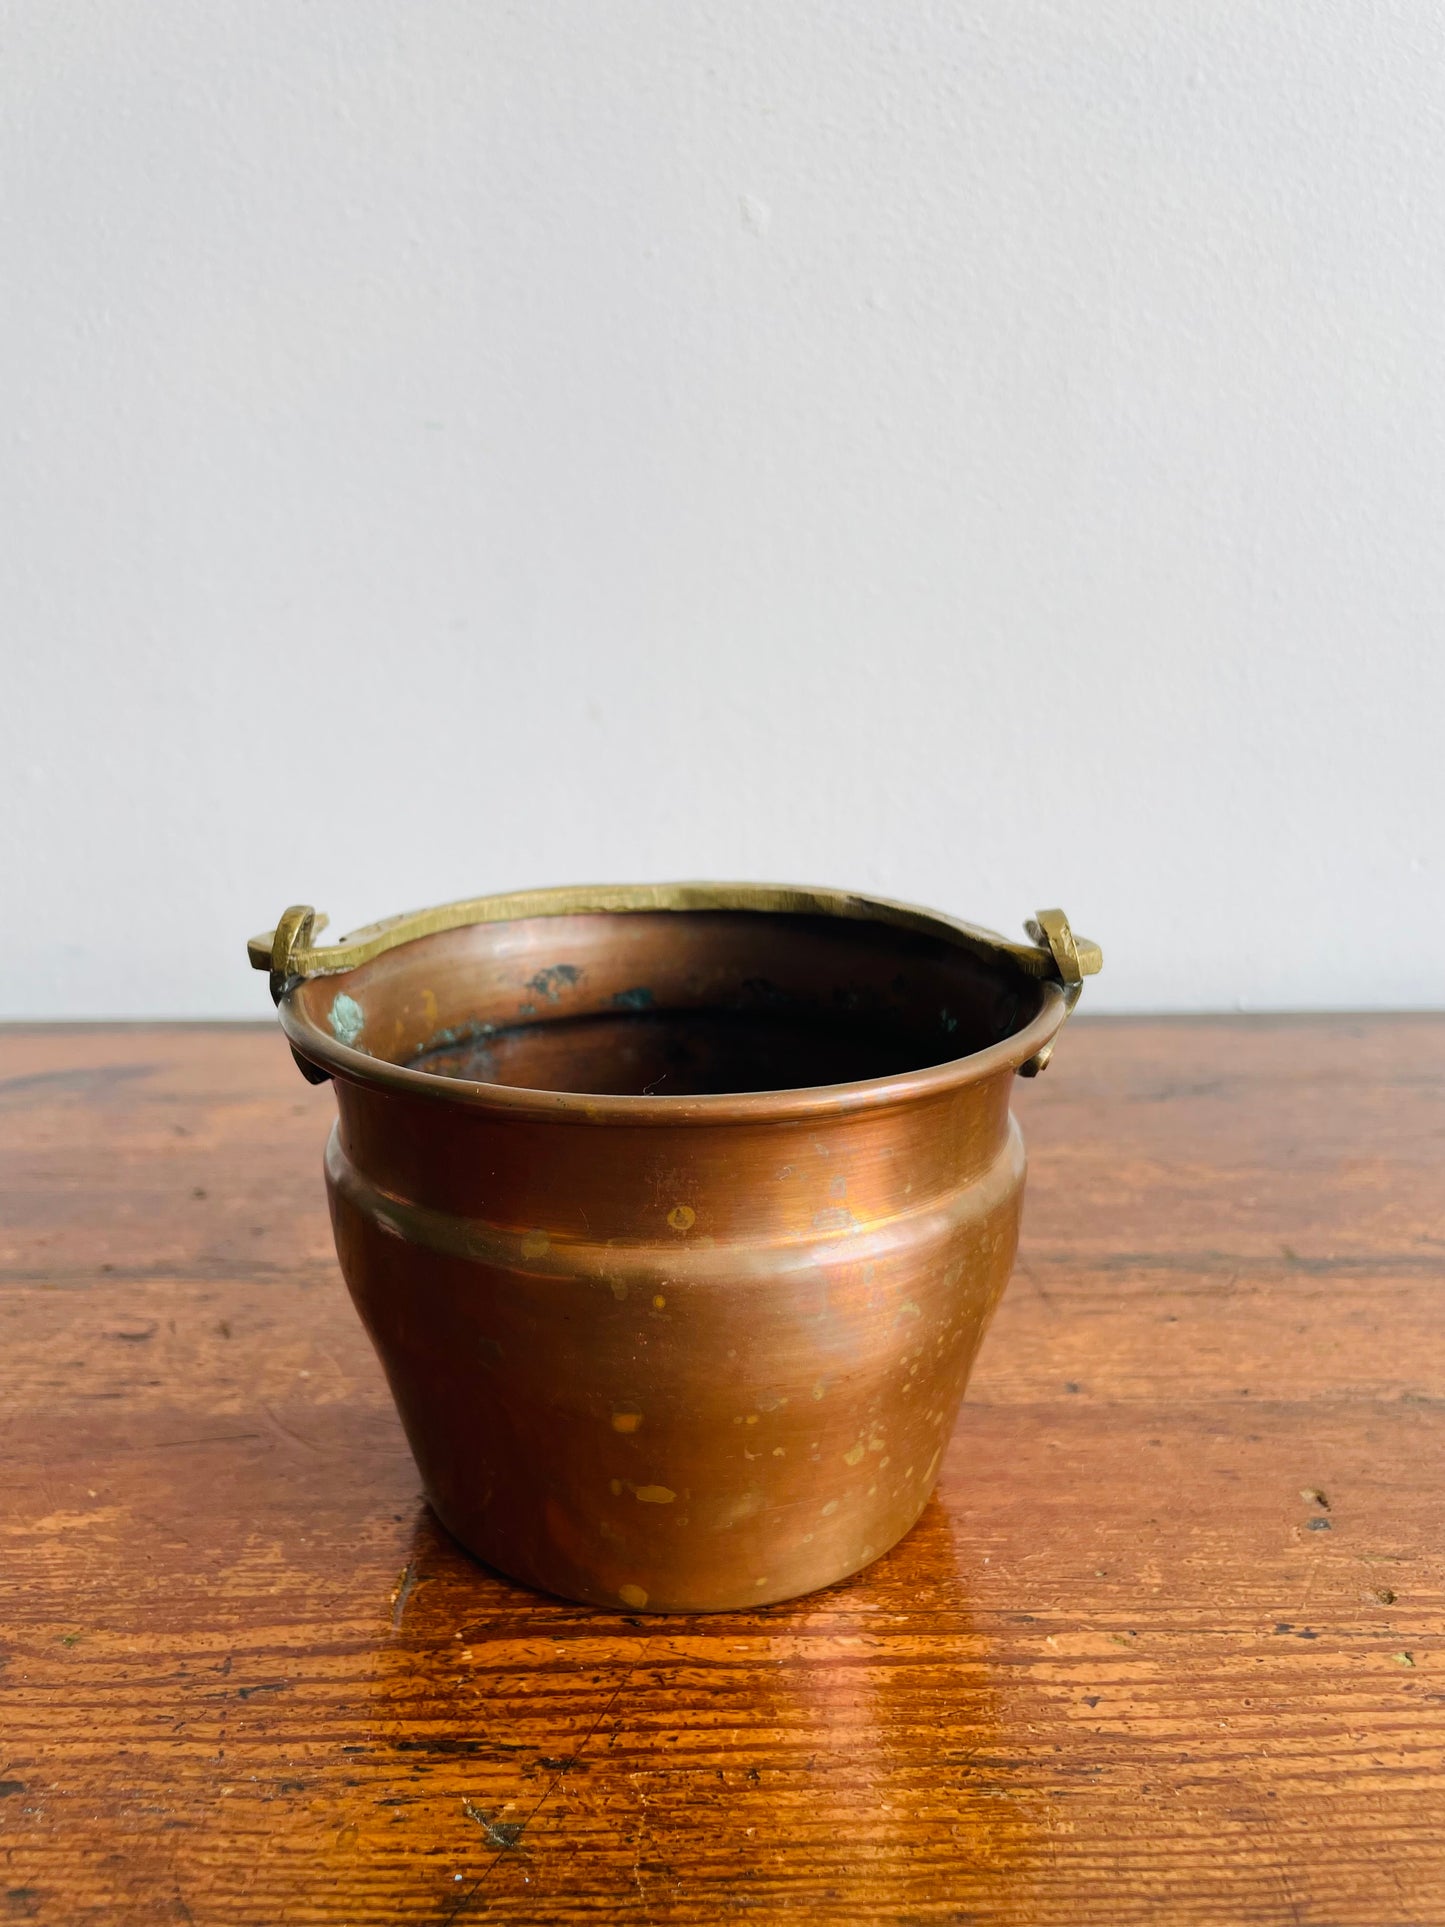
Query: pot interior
[673,1003]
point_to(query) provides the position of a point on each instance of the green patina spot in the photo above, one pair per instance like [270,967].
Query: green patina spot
[467,1033]
[639,998]
[551,983]
[346,1018]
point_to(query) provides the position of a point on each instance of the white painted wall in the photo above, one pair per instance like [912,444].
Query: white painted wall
[985,453]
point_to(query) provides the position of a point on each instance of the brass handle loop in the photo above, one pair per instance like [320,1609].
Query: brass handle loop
[287,950]
[1073,958]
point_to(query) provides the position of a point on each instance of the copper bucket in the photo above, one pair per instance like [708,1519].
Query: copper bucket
[676,1213]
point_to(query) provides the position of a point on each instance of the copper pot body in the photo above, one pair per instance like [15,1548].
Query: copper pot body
[658,1342]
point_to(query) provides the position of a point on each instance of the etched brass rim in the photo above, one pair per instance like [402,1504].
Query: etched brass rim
[292,956]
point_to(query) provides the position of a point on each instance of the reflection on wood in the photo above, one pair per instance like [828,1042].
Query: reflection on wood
[1165,1647]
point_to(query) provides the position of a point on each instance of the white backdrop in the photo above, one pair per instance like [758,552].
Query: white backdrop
[989,454]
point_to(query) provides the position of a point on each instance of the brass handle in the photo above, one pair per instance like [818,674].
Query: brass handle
[287,951]
[1073,958]
[291,951]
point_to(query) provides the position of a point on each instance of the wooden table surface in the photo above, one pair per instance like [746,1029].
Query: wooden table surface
[1165,1647]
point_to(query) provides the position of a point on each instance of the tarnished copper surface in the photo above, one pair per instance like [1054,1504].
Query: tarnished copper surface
[677,1231]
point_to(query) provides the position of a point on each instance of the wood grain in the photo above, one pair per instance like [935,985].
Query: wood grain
[1166,1646]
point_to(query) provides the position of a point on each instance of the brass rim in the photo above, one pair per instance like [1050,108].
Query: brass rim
[292,956]
[290,950]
